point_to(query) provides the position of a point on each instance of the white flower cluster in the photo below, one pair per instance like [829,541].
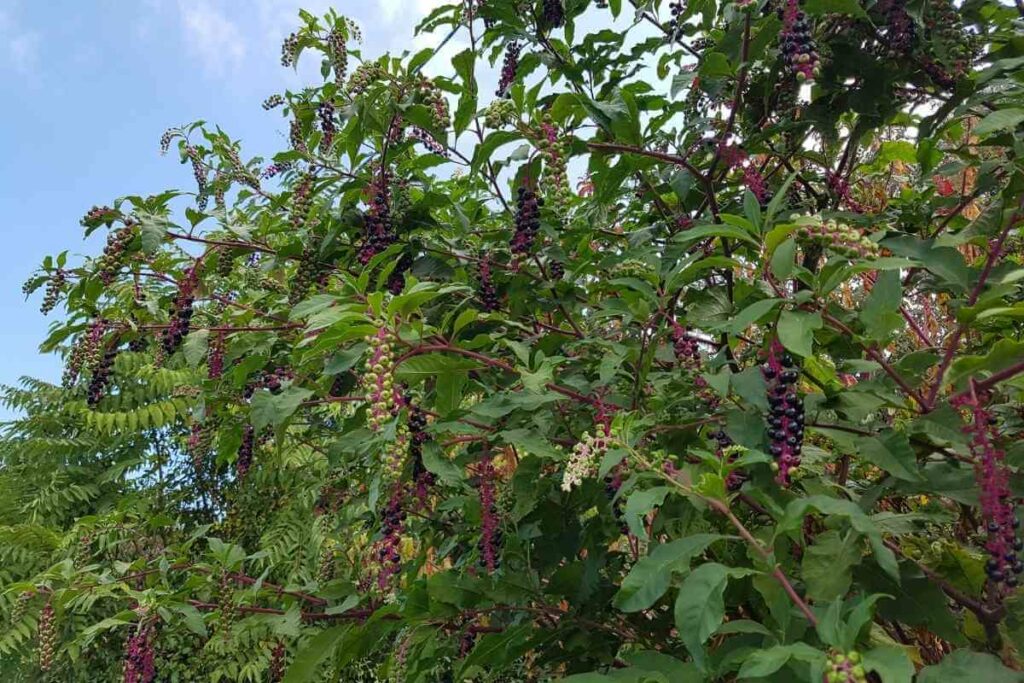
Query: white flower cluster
[586,457]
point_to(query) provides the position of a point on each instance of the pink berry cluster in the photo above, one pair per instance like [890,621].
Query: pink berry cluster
[554,149]
[488,292]
[754,181]
[139,666]
[841,188]
[993,477]
[798,48]
[98,215]
[378,381]
[509,66]
[379,229]
[527,220]
[387,551]
[275,672]
[490,531]
[786,412]
[46,644]
[685,347]
[245,450]
[181,312]
[215,356]
[429,141]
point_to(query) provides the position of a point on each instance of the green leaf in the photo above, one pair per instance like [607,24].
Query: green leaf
[892,452]
[639,504]
[268,409]
[428,365]
[309,657]
[999,120]
[880,313]
[650,577]
[964,666]
[827,565]
[700,605]
[796,331]
[784,259]
[822,7]
[892,664]
[752,313]
[766,662]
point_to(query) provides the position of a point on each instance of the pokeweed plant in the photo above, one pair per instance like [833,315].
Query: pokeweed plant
[693,354]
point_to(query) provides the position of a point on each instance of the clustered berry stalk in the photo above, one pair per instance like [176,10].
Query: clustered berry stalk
[378,381]
[509,66]
[490,531]
[387,551]
[326,113]
[786,413]
[839,238]
[138,655]
[674,29]
[277,661]
[993,478]
[215,357]
[226,606]
[527,220]
[101,375]
[845,668]
[841,188]
[54,288]
[422,478]
[245,450]
[726,450]
[379,230]
[47,637]
[798,49]
[396,280]
[585,457]
[118,242]
[310,272]
[181,312]
[554,149]
[488,292]
[302,200]
[553,14]
[685,347]
[612,484]
[339,55]
[85,353]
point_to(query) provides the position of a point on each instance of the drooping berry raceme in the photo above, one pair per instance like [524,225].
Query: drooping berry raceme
[585,457]
[836,237]
[378,381]
[275,169]
[727,451]
[139,666]
[101,376]
[326,113]
[429,141]
[387,557]
[500,113]
[97,216]
[490,531]
[310,272]
[199,171]
[841,188]
[416,423]
[118,242]
[46,643]
[181,312]
[754,181]
[226,609]
[785,414]
[685,347]
[86,352]
[338,50]
[845,668]
[245,450]
[944,29]
[900,29]
[275,672]
[993,478]
[487,291]
[798,48]
[553,14]
[527,221]
[296,137]
[290,50]
[302,200]
[556,269]
[273,102]
[215,356]
[396,280]
[555,151]
[675,26]
[509,66]
[365,75]
[432,97]
[379,229]
[54,288]
[612,484]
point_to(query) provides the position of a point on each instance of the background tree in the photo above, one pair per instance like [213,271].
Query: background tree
[411,402]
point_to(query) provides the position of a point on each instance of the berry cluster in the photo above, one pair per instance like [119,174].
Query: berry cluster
[796,43]
[387,551]
[245,450]
[527,220]
[786,413]
[101,377]
[396,280]
[290,50]
[270,380]
[555,150]
[118,242]
[326,113]
[215,357]
[302,200]
[490,532]
[273,102]
[488,292]
[199,172]
[945,30]
[417,424]
[166,138]
[339,55]
[379,229]
[839,238]
[378,381]
[433,99]
[181,313]
[226,606]
[841,188]
[845,668]
[275,671]
[54,287]
[428,141]
[586,457]
[21,606]
[726,450]
[97,216]
[325,567]
[993,478]
[900,31]
[200,442]
[138,655]
[46,644]
[612,484]
[685,347]
[675,27]
[509,66]
[310,272]
[500,113]
[553,14]
[754,181]
[275,169]
[85,353]
[365,75]
[296,137]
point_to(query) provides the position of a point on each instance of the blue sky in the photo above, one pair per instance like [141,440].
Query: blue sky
[88,87]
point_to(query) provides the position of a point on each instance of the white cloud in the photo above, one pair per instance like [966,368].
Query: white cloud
[214,38]
[19,48]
